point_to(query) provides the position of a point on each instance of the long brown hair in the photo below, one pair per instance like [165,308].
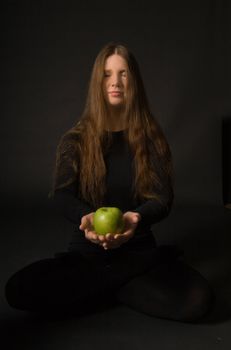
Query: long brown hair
[80,152]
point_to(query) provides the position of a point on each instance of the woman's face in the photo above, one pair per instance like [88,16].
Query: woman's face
[115,80]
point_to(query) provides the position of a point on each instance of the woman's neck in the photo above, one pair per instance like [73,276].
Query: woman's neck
[116,120]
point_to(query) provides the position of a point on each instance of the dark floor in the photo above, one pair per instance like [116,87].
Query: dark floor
[204,232]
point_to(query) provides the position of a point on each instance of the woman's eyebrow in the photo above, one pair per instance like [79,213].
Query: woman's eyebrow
[109,70]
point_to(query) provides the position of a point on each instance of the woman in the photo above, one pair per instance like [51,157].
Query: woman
[116,155]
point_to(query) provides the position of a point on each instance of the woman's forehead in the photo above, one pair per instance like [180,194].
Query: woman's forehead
[115,60]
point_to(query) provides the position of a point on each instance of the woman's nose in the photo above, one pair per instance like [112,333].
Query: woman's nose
[115,81]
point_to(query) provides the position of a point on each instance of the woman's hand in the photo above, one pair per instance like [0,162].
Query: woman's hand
[110,241]
[88,228]
[131,220]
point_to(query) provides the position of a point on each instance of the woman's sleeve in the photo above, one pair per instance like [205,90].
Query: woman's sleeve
[68,205]
[65,200]
[153,210]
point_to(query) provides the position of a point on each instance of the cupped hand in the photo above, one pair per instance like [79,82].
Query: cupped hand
[113,241]
[110,241]
[88,228]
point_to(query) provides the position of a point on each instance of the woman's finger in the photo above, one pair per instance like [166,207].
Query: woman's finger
[110,245]
[101,238]
[93,235]
[128,235]
[125,235]
[109,237]
[83,224]
[86,221]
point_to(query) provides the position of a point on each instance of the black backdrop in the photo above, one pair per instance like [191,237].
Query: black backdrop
[48,50]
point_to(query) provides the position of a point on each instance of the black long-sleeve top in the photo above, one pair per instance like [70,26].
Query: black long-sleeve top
[119,180]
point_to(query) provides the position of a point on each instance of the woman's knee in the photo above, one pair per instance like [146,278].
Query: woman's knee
[184,296]
[12,291]
[197,304]
[20,282]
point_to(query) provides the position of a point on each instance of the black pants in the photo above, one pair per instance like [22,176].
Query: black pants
[156,281]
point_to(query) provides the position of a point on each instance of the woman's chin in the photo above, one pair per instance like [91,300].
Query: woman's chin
[116,104]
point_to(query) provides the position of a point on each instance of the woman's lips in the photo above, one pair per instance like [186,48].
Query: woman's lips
[115,93]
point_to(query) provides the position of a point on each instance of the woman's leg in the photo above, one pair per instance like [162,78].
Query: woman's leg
[173,291]
[63,284]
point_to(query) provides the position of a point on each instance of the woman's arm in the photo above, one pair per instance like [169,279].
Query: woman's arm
[153,211]
[65,200]
[67,204]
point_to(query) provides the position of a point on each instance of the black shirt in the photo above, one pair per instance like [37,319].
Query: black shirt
[119,180]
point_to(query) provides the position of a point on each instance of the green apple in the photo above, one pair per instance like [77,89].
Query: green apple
[108,220]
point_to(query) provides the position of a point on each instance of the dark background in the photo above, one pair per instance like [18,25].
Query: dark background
[183,50]
[48,52]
